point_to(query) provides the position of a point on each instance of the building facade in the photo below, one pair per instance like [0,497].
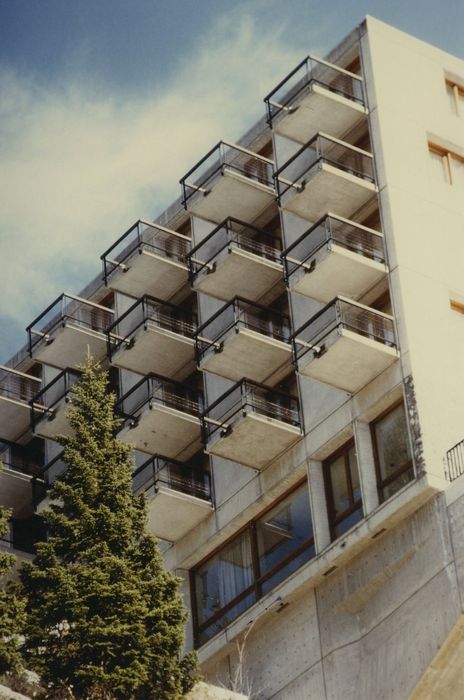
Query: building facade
[287,346]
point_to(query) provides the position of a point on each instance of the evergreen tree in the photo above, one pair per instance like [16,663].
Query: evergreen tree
[105,619]
[11,608]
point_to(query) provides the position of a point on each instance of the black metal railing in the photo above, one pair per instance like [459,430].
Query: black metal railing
[244,397]
[240,313]
[154,389]
[287,95]
[296,172]
[342,314]
[18,386]
[150,310]
[44,480]
[68,309]
[224,157]
[147,236]
[332,229]
[231,233]
[162,471]
[454,461]
[52,394]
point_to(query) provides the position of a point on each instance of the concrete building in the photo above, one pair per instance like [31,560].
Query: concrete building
[287,344]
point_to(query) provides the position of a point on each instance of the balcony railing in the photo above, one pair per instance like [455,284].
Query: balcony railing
[68,309]
[240,313]
[144,236]
[23,535]
[146,310]
[287,95]
[224,156]
[44,480]
[322,149]
[343,314]
[248,397]
[18,386]
[52,395]
[454,461]
[162,471]
[332,229]
[154,389]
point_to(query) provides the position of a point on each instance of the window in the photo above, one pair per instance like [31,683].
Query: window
[448,166]
[455,94]
[343,492]
[268,550]
[392,452]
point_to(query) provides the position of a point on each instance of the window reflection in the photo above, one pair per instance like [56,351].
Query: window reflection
[392,451]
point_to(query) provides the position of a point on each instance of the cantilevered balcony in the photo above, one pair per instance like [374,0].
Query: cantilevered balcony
[67,329]
[346,345]
[44,480]
[245,339]
[19,469]
[147,259]
[251,424]
[236,259]
[179,496]
[22,537]
[335,256]
[324,175]
[55,396]
[17,389]
[161,417]
[153,335]
[316,96]
[229,181]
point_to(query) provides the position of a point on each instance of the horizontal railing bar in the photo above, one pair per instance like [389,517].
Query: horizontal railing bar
[337,68]
[20,374]
[248,152]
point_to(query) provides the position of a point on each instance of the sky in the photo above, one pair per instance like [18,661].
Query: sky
[105,104]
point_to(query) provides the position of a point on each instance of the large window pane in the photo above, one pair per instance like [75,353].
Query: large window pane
[393,452]
[283,532]
[223,578]
[343,490]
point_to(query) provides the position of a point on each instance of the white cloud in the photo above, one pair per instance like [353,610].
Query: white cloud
[78,167]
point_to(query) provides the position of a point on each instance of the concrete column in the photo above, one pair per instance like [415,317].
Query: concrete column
[318,505]
[366,466]
[184,590]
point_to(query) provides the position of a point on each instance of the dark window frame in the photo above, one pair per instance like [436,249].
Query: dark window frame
[334,519]
[258,579]
[382,483]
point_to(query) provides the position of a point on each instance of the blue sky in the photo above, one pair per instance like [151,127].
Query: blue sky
[106,103]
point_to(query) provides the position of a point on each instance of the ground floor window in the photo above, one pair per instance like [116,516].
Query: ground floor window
[343,491]
[392,451]
[247,567]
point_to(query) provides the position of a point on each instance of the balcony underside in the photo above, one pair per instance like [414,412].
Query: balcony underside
[69,345]
[172,514]
[54,424]
[328,189]
[350,362]
[232,194]
[239,272]
[149,273]
[320,110]
[337,271]
[16,490]
[158,350]
[164,430]
[255,440]
[15,417]
[246,353]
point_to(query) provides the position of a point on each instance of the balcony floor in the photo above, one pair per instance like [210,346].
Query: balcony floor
[158,350]
[338,271]
[247,353]
[69,346]
[164,430]
[255,441]
[15,418]
[328,189]
[232,194]
[320,110]
[240,273]
[172,514]
[350,362]
[16,490]
[48,427]
[149,273]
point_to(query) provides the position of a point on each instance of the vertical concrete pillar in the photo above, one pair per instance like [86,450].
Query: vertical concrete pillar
[184,590]
[366,465]
[318,505]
